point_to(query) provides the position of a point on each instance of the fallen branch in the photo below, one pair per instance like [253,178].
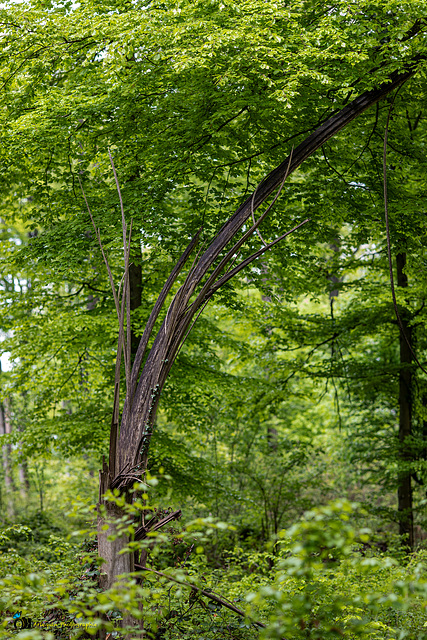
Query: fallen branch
[203,592]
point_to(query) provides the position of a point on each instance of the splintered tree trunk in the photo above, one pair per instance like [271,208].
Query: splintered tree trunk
[116,564]
[130,441]
[109,515]
[404,491]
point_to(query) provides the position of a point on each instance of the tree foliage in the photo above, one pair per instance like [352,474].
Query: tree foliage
[286,393]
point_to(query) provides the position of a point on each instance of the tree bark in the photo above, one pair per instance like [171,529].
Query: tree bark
[404,491]
[114,564]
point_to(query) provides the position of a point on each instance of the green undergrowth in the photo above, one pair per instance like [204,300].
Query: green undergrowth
[319,579]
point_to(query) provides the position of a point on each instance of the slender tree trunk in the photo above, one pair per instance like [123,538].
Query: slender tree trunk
[24,484]
[5,428]
[404,491]
[135,282]
[39,471]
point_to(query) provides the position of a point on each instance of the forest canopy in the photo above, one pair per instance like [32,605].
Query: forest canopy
[262,438]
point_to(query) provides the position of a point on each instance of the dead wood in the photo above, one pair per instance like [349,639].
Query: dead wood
[203,592]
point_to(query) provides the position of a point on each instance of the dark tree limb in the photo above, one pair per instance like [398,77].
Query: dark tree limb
[154,525]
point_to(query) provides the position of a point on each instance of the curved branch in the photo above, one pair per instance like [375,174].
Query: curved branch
[203,592]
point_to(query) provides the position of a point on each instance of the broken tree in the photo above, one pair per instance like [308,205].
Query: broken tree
[211,269]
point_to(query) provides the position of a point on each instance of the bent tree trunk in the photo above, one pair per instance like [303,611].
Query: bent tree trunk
[129,445]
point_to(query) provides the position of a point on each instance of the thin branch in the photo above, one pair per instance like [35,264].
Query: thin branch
[120,284]
[274,199]
[173,345]
[377,110]
[340,175]
[152,525]
[219,283]
[122,338]
[192,325]
[253,216]
[217,270]
[126,294]
[157,308]
[126,287]
[98,236]
[114,427]
[121,344]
